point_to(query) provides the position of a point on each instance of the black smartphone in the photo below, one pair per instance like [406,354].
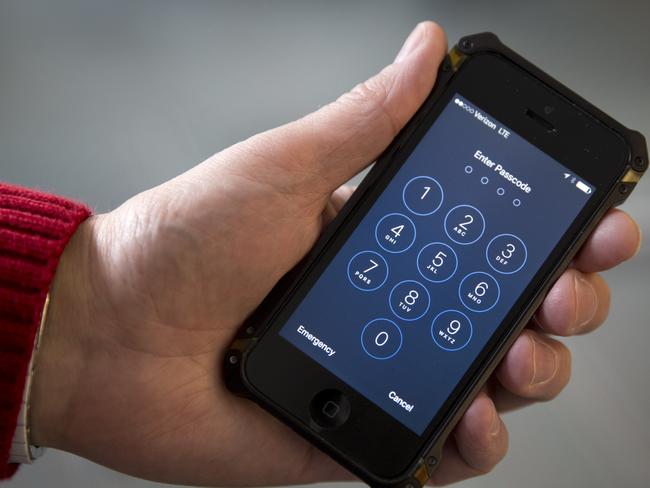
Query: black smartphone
[375,345]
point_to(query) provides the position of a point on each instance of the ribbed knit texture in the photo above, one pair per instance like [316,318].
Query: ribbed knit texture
[34,229]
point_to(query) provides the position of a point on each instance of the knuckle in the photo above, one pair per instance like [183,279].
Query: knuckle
[558,310]
[554,386]
[604,295]
[592,308]
[485,469]
[518,367]
[368,93]
[369,100]
[264,162]
[566,363]
[492,455]
[490,447]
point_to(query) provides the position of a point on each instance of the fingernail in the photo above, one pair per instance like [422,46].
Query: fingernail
[410,44]
[544,361]
[638,247]
[495,426]
[586,301]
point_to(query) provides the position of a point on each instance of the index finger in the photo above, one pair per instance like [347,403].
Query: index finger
[617,238]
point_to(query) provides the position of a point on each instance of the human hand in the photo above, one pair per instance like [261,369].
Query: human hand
[148,298]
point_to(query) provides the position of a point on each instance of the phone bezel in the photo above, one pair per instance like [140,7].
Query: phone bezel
[505,91]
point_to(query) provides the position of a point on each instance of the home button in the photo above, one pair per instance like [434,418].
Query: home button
[329,408]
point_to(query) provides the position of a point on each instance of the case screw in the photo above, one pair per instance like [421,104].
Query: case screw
[233,359]
[466,44]
[432,461]
[623,189]
[250,330]
[639,164]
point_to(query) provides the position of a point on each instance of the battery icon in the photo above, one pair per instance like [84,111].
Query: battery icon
[582,186]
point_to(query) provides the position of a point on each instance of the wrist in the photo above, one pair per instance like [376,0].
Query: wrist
[59,363]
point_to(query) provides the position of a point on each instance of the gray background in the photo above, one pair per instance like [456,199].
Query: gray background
[100,100]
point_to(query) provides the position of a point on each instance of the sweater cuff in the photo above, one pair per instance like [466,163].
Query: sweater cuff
[34,230]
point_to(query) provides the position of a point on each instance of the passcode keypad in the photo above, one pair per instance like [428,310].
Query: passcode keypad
[411,302]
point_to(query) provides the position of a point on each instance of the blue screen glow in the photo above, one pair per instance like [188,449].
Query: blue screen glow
[429,274]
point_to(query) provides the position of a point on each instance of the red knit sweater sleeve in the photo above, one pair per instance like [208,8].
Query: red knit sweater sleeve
[34,229]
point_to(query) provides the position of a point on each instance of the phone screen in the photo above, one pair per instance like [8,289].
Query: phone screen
[427,277]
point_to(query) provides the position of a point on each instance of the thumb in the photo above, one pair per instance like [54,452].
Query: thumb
[326,148]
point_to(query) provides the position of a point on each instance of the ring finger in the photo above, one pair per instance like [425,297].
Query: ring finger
[536,368]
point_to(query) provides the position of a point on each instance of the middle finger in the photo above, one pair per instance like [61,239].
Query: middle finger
[577,303]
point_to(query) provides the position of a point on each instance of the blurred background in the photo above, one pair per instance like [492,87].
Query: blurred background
[100,100]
